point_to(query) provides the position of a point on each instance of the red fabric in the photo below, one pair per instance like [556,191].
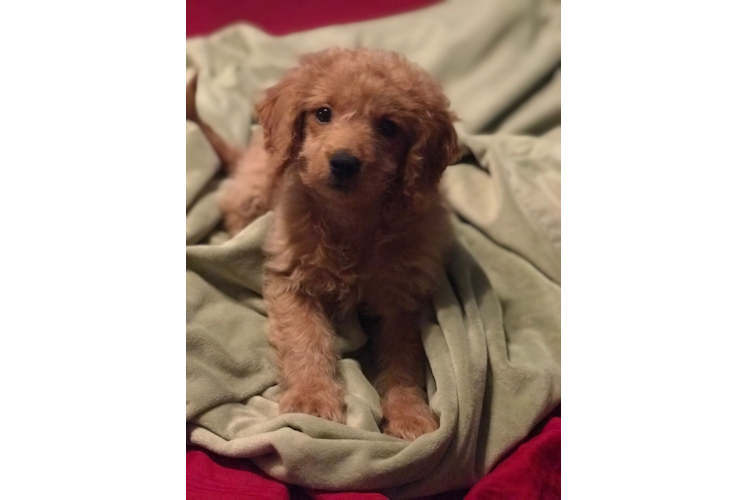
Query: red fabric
[655,457]
[281,17]
[213,477]
[532,471]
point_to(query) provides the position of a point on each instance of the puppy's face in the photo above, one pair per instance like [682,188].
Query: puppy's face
[360,122]
[354,142]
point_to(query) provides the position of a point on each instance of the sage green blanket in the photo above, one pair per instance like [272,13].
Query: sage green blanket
[492,331]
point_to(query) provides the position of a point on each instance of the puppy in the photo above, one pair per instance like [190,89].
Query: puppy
[355,143]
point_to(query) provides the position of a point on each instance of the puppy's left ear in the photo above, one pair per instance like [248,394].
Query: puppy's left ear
[434,149]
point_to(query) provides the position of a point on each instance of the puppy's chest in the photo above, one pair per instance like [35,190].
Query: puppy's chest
[332,273]
[398,274]
[401,275]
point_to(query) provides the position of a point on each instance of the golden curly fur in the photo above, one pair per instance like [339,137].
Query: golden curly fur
[355,142]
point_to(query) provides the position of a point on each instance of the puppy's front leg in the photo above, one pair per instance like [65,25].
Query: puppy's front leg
[307,359]
[402,378]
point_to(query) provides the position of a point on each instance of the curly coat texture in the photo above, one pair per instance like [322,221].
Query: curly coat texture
[374,239]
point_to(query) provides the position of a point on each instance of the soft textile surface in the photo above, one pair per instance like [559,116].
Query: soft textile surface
[492,331]
[531,471]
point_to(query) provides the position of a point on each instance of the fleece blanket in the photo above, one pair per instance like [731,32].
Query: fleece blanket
[532,471]
[492,331]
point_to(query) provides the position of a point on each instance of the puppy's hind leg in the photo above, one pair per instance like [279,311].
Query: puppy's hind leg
[249,191]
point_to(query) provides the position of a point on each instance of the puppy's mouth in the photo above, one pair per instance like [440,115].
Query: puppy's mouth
[342,184]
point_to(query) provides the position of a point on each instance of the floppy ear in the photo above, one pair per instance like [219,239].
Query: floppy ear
[434,148]
[281,117]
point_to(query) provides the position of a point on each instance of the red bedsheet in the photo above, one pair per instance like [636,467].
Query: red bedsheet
[287,16]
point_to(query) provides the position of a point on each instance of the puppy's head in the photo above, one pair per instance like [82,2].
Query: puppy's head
[361,122]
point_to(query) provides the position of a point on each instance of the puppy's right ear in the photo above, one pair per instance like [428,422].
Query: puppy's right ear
[282,118]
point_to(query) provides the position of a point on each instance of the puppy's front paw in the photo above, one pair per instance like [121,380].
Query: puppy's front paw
[408,418]
[326,402]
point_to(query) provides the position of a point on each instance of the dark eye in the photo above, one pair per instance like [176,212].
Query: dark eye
[387,128]
[324,115]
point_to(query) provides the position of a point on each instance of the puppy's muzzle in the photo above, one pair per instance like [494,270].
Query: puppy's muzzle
[344,166]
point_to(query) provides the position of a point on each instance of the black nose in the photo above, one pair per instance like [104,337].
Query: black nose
[344,165]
